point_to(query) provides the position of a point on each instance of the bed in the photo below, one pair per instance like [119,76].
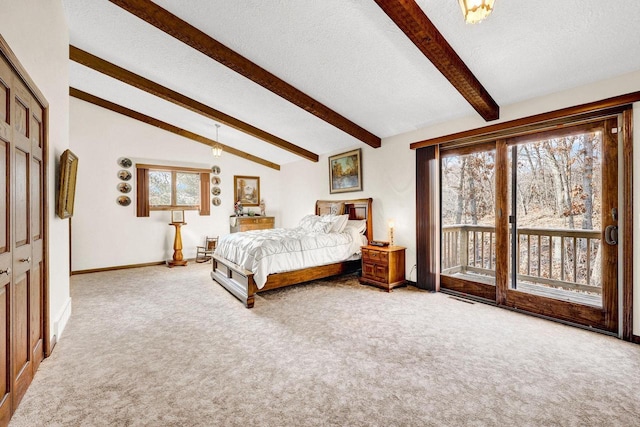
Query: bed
[242,283]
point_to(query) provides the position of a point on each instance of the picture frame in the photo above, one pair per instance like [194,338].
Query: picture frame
[177,217]
[246,189]
[345,172]
[67,184]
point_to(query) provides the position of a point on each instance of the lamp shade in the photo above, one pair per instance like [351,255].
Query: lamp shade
[216,149]
[476,10]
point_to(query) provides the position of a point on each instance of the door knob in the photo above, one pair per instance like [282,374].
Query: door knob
[6,271]
[27,259]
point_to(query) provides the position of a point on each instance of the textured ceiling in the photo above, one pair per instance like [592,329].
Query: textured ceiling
[350,56]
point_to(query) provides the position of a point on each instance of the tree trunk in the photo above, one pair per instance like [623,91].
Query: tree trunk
[460,204]
[587,183]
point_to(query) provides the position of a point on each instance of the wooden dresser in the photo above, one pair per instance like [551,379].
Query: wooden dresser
[383,266]
[246,223]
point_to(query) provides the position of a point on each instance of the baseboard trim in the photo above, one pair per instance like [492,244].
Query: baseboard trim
[635,339]
[59,324]
[117,267]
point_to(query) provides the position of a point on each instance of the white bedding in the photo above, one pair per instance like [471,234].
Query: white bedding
[265,252]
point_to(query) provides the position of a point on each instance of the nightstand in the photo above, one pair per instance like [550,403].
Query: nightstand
[383,266]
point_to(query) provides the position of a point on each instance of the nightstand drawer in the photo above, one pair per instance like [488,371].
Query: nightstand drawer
[247,223]
[375,256]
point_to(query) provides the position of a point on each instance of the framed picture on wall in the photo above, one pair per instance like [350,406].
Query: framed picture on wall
[177,216]
[246,189]
[67,182]
[345,172]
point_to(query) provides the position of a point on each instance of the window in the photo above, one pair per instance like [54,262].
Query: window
[172,189]
[167,187]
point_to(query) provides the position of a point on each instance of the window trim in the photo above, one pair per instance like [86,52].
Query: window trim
[143,207]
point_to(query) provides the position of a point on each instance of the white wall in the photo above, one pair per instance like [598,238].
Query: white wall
[105,234]
[37,33]
[389,171]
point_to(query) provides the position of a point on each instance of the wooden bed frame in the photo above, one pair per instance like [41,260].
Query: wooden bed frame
[241,284]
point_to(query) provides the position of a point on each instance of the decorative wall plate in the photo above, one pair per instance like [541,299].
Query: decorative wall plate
[124,175]
[215,180]
[125,162]
[123,200]
[124,187]
[216,201]
[215,170]
[215,191]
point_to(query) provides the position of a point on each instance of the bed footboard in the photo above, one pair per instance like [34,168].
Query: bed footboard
[235,279]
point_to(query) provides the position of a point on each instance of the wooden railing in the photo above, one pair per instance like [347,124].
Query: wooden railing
[562,258]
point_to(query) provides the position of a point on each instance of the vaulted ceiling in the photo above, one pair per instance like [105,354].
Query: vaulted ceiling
[291,80]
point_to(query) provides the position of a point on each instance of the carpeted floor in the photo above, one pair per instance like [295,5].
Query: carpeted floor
[169,347]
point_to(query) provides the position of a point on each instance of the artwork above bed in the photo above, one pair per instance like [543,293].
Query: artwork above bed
[326,244]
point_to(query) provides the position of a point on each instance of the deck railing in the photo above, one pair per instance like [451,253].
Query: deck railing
[561,258]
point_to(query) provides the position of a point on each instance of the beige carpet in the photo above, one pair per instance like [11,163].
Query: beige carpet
[163,347]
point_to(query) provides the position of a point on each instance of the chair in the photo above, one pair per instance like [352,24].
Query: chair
[204,253]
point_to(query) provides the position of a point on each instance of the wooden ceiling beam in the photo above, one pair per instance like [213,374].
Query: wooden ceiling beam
[412,20]
[193,37]
[92,99]
[125,76]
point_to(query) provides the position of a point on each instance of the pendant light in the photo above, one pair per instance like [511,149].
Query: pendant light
[216,149]
[476,10]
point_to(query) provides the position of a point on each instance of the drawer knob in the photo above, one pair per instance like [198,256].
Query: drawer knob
[6,271]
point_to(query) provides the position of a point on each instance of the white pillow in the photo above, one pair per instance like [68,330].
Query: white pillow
[358,224]
[316,224]
[307,222]
[339,224]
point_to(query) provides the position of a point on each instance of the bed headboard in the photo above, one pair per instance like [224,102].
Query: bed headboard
[356,208]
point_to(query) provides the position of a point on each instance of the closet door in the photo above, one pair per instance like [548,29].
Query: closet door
[27,262]
[5,244]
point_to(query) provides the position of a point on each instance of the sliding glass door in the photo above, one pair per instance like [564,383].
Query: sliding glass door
[468,245]
[531,222]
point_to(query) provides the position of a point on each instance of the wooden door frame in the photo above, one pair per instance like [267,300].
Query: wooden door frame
[621,105]
[12,59]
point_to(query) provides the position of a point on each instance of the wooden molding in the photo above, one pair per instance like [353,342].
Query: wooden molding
[627,225]
[202,42]
[171,168]
[76,93]
[6,51]
[412,20]
[49,341]
[167,94]
[118,267]
[522,125]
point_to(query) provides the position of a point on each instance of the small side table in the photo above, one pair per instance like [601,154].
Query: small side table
[178,259]
[383,266]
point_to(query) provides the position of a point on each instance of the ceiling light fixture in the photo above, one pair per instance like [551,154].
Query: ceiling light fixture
[216,149]
[476,10]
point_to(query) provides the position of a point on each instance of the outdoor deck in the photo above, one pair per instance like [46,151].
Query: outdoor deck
[555,263]
[593,300]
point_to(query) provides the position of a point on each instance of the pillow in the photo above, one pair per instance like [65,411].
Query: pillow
[339,224]
[358,224]
[315,224]
[307,222]
[336,209]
